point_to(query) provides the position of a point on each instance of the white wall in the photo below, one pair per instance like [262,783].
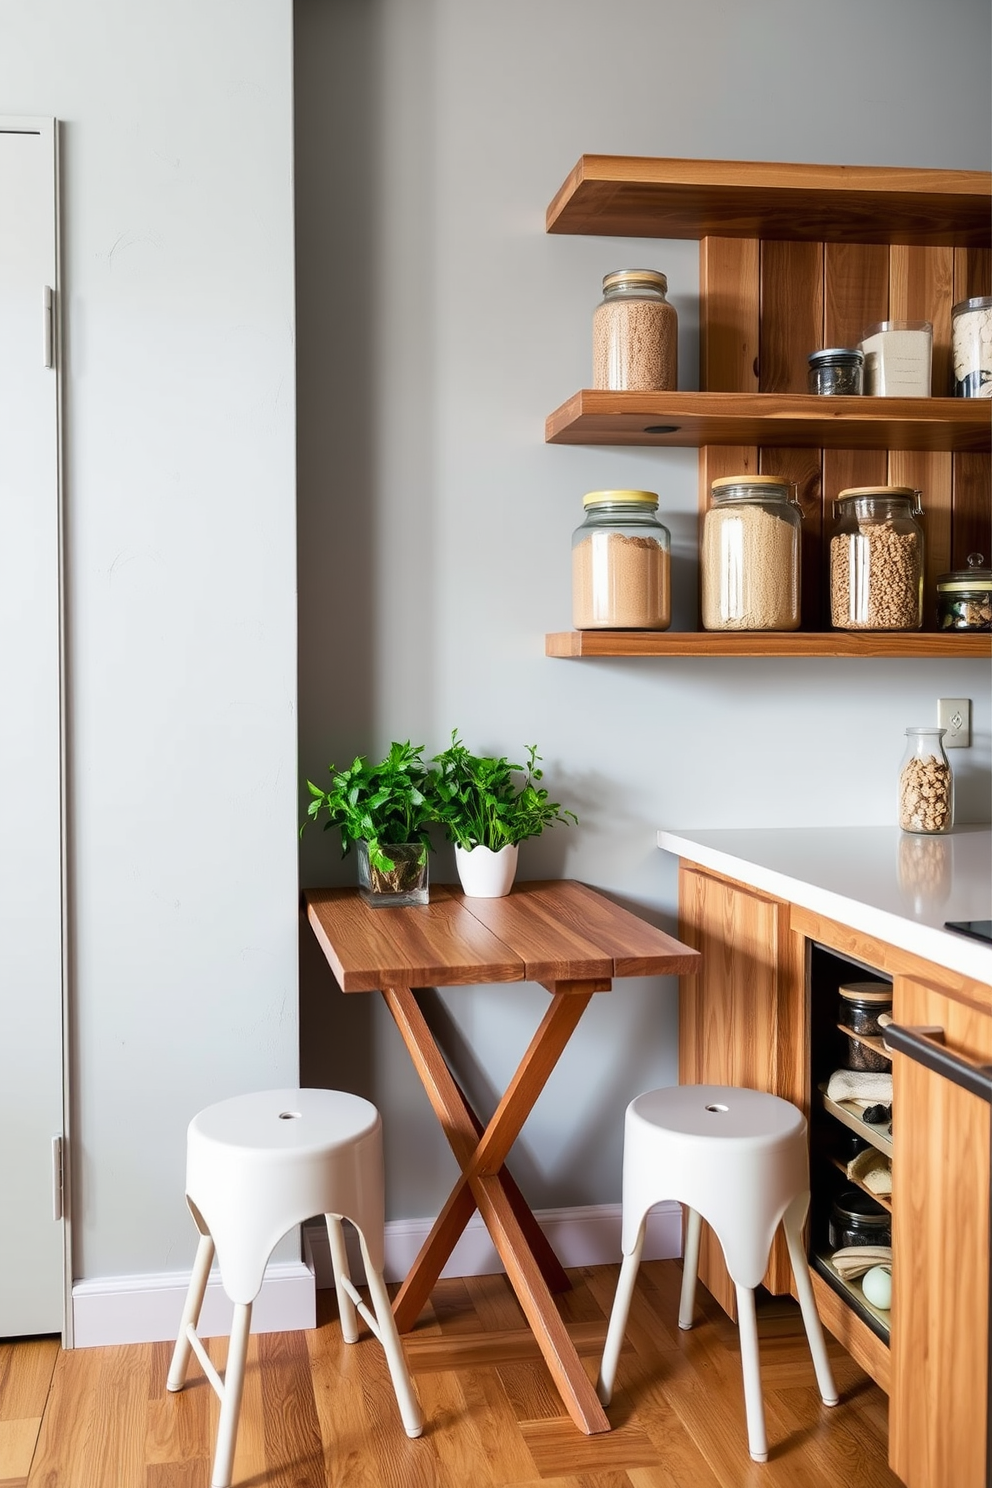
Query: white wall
[442,324]
[181,624]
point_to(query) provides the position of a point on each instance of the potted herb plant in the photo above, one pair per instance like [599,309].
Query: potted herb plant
[487,809]
[383,810]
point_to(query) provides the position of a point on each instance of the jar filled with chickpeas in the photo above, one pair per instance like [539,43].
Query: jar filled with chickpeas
[925,785]
[876,559]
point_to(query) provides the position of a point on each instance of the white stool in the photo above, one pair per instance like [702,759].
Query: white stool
[739,1160]
[255,1166]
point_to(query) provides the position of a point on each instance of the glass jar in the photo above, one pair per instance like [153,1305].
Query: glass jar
[971,347]
[964,597]
[749,563]
[856,1219]
[836,371]
[926,788]
[876,559]
[621,563]
[635,334]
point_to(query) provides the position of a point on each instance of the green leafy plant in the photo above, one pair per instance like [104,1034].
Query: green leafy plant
[384,804]
[481,802]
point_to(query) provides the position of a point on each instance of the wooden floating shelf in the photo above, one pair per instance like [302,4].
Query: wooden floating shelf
[644,197]
[795,420]
[588,643]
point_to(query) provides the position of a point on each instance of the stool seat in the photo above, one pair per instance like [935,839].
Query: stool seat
[737,1158]
[256,1165]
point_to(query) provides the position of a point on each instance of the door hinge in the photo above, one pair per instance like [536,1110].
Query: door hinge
[57,1177]
[48,324]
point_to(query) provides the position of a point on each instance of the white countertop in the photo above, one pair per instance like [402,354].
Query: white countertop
[896,886]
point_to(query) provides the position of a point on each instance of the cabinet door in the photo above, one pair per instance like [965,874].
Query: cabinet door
[742,1019]
[940,1264]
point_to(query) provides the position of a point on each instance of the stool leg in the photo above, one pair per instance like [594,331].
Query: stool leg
[339,1265]
[618,1320]
[751,1365]
[690,1267]
[230,1408]
[406,1399]
[191,1313]
[792,1224]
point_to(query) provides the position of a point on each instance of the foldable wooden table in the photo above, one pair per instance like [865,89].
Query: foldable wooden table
[573,941]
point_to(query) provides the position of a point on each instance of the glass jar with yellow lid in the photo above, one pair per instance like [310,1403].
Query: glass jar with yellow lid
[621,563]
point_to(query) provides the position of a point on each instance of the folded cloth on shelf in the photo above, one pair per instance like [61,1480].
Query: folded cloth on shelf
[873,1169]
[863,1086]
[854,1260]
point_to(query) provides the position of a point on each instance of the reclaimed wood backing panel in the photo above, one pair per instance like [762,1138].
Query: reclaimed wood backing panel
[921,288]
[791,326]
[971,487]
[856,295]
[729,290]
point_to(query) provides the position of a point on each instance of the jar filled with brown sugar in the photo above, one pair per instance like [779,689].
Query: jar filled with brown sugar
[621,563]
[749,558]
[635,334]
[876,559]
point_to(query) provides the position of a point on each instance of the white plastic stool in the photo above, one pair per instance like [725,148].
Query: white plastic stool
[255,1166]
[738,1159]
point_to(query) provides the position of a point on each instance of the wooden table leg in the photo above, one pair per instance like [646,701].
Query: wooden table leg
[475,1154]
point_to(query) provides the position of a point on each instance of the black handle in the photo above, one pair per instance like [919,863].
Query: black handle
[926,1046]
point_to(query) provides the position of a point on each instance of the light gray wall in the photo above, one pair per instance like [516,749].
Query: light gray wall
[438,326]
[180,579]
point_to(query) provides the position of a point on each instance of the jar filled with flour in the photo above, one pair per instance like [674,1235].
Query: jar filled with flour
[635,334]
[621,564]
[749,563]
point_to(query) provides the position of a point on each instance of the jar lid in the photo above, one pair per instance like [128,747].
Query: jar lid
[653,277]
[767,481]
[979,302]
[869,992]
[853,1203]
[966,580]
[842,355]
[851,491]
[625,498]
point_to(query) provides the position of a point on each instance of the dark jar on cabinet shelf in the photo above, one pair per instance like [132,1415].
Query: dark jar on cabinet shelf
[856,1219]
[876,559]
[621,564]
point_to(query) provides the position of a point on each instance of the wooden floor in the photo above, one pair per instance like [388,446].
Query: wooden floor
[319,1412]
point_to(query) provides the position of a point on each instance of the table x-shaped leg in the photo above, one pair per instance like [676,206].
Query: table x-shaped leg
[483,1183]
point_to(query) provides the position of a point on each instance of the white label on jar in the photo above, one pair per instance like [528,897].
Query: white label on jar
[897,364]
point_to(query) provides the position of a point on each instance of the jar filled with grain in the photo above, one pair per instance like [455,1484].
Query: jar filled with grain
[621,563]
[925,785]
[876,559]
[749,562]
[635,334]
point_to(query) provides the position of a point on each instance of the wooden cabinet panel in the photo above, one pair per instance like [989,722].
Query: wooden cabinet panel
[940,1273]
[741,1019]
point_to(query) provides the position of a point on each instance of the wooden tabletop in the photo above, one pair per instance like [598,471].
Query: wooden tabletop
[553,931]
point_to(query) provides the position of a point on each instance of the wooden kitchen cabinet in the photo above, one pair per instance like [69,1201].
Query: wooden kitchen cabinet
[747,1018]
[793,258]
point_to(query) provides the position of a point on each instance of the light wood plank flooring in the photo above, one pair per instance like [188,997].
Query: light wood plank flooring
[318,1412]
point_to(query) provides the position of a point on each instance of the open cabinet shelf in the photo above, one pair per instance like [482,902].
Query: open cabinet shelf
[793,258]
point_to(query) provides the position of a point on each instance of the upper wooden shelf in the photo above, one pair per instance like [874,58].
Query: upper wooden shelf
[579,643]
[795,420]
[645,197]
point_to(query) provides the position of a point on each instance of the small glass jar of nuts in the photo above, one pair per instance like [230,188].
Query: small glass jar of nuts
[926,802]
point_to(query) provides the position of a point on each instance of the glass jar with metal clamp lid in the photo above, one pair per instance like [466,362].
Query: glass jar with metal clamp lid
[876,559]
[749,562]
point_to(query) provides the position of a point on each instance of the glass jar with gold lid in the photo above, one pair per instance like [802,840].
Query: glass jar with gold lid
[749,558]
[876,559]
[621,564]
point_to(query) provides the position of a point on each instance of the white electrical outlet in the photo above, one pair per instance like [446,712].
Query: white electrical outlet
[954,715]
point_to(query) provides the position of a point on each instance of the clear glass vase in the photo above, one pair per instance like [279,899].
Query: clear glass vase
[406,882]
[926,799]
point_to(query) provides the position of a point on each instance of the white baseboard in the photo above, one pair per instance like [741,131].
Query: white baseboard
[586,1236]
[147,1308]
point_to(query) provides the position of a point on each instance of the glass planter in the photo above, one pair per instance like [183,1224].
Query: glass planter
[405,883]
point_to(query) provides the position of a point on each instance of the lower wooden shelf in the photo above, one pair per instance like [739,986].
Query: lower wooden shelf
[585,643]
[850,1329]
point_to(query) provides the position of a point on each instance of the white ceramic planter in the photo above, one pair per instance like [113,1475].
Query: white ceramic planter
[485,874]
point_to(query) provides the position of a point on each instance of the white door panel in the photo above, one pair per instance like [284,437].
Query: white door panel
[31,981]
